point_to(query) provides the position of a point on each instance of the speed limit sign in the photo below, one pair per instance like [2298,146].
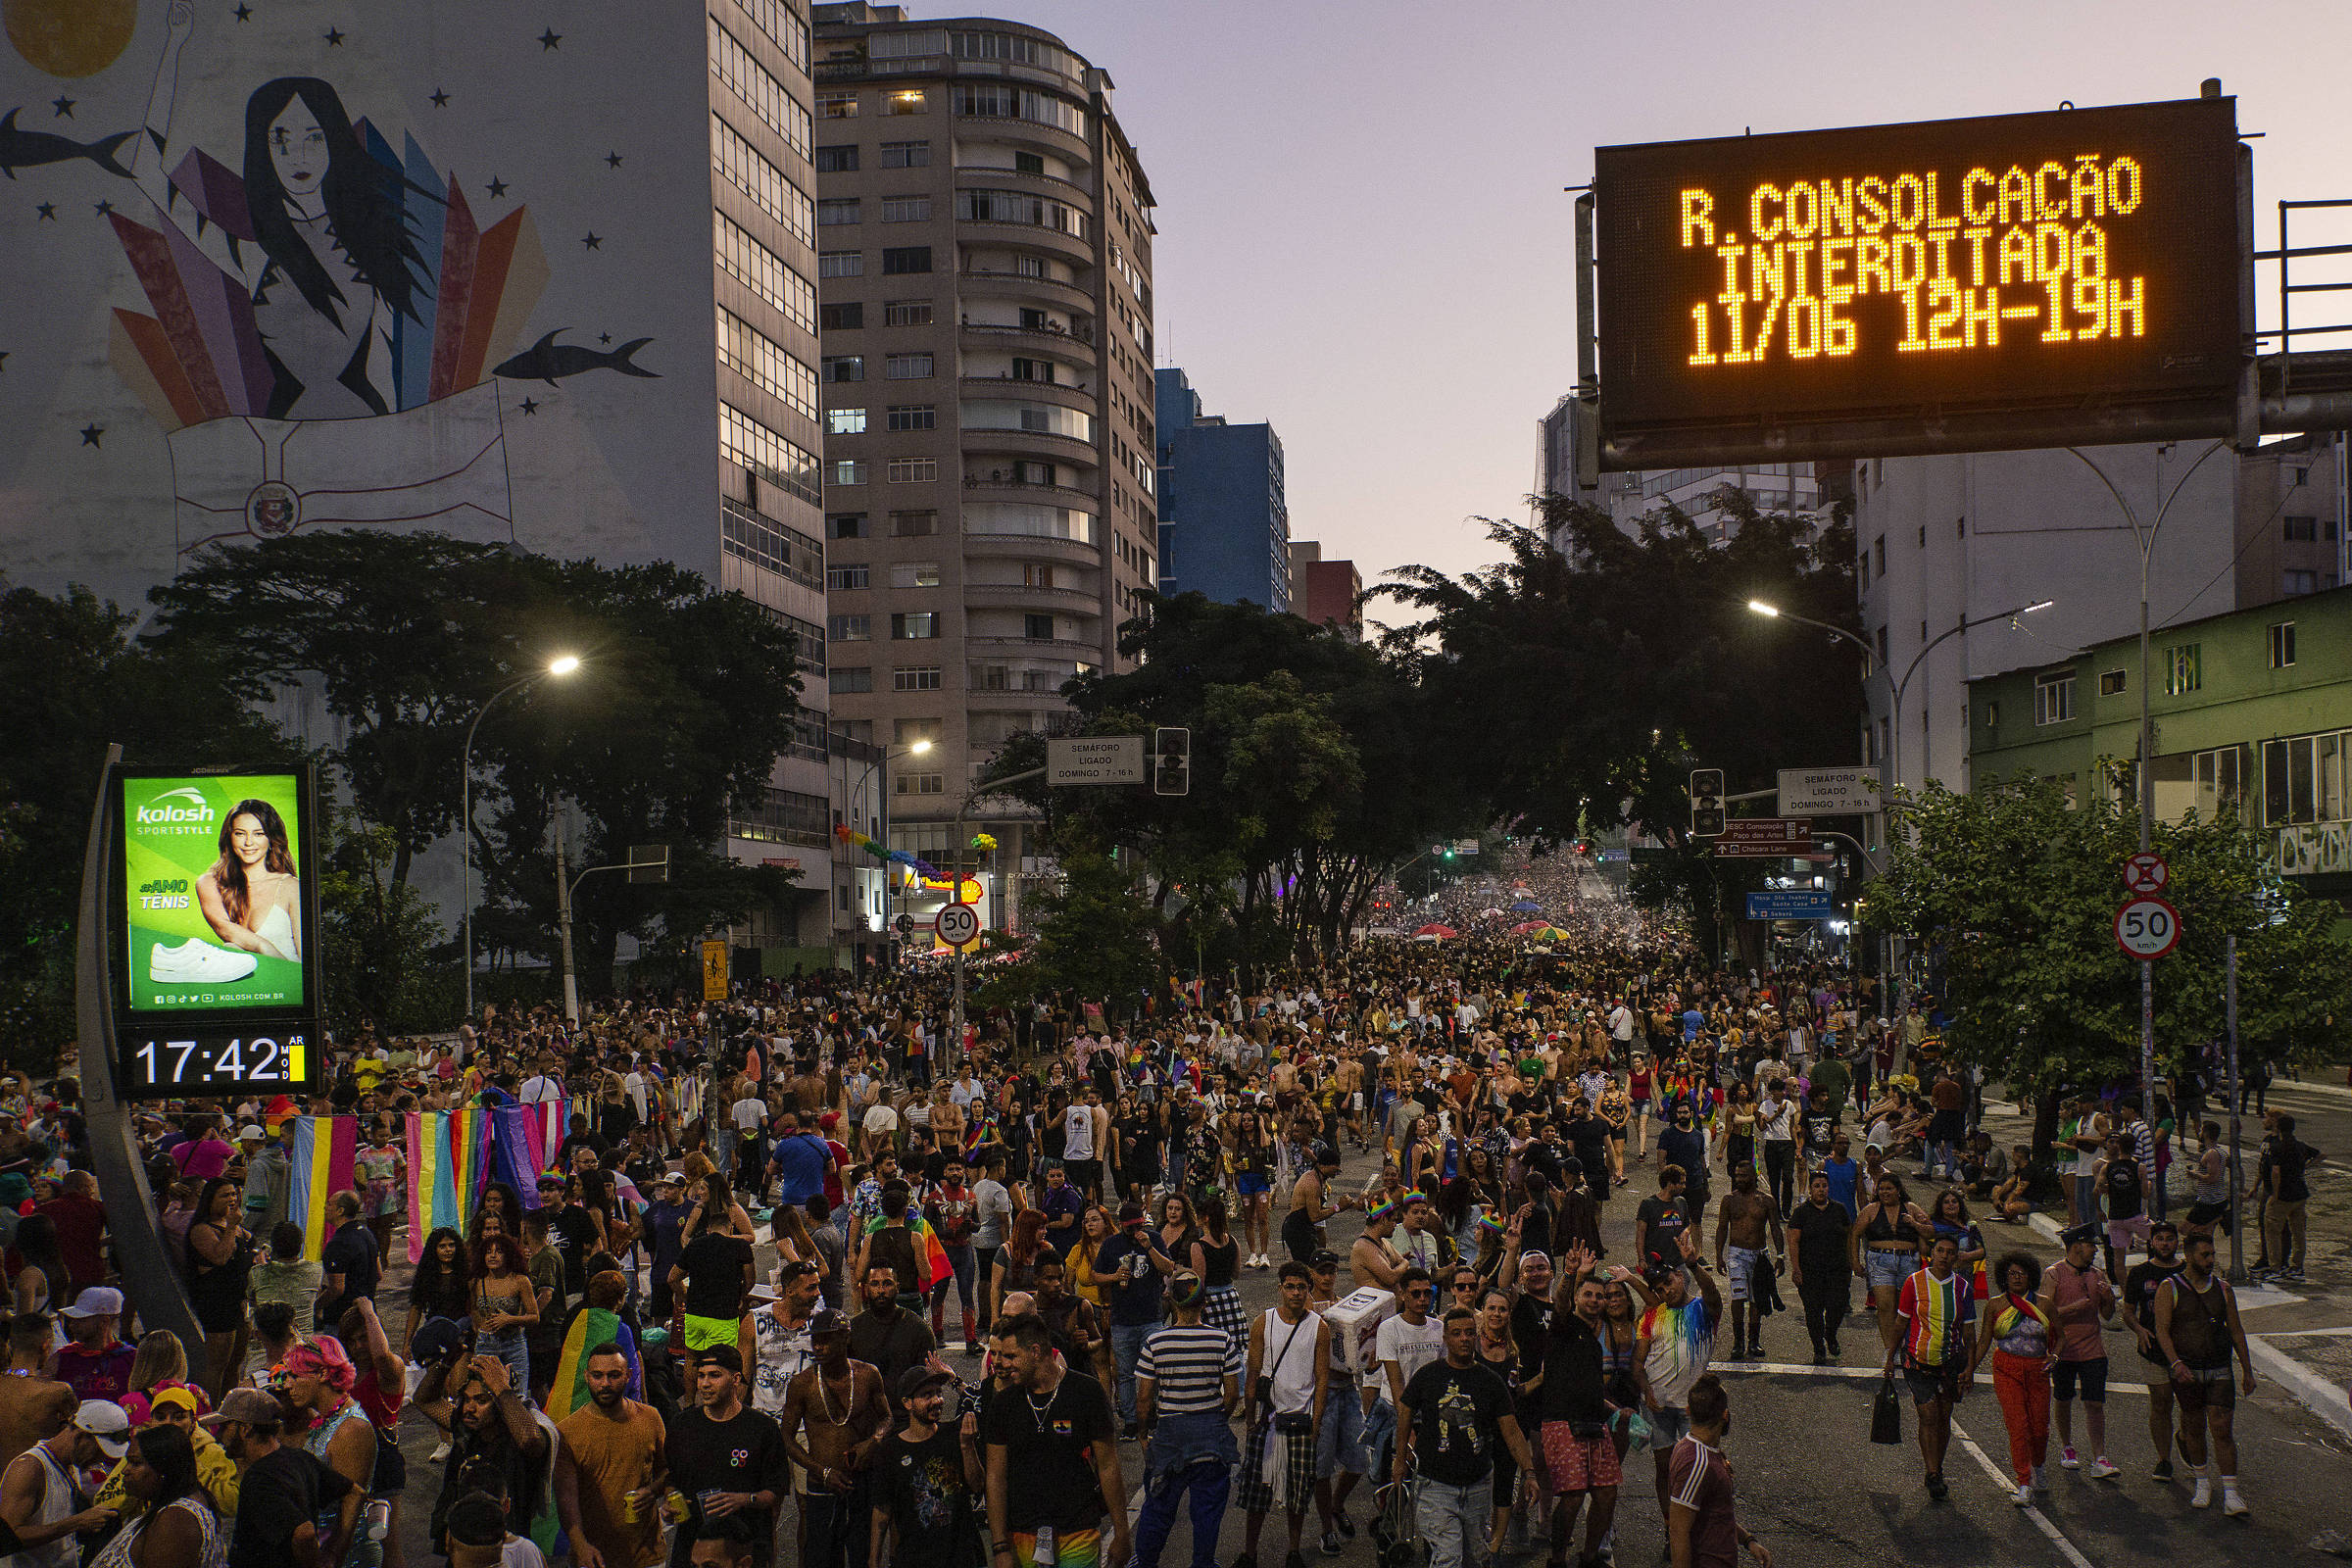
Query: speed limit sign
[2147,927]
[2146,873]
[957,925]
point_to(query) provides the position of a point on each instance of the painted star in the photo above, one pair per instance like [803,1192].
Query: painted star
[243,13]
[497,186]
[594,241]
[334,37]
[550,38]
[612,159]
[91,435]
[48,212]
[529,407]
[105,208]
[440,99]
[64,106]
[601,337]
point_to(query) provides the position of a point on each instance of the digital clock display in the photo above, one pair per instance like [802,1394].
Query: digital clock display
[1756,288]
[176,1063]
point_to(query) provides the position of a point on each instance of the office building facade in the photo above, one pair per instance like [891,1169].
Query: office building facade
[984,258]
[1326,592]
[1224,522]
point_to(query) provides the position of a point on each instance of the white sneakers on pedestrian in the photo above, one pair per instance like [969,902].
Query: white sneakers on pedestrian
[2101,1470]
[2231,1503]
[2067,1460]
[197,962]
[2024,1495]
[2202,1498]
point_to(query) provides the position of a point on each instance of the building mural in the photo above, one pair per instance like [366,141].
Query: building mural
[282,265]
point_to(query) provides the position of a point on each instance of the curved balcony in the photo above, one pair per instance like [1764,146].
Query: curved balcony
[1010,385]
[1033,546]
[1053,185]
[1031,444]
[974,284]
[978,488]
[1040,237]
[1027,132]
[1035,648]
[983,334]
[1026,595]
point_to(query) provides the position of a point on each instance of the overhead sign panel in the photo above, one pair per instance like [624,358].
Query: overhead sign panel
[1764,838]
[1095,759]
[1788,904]
[1949,285]
[1828,791]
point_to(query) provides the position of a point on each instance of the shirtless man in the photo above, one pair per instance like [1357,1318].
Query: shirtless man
[33,1409]
[838,1403]
[1348,1092]
[1741,1220]
[1374,1258]
[1311,1205]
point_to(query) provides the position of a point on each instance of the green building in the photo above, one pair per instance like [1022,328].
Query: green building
[2253,707]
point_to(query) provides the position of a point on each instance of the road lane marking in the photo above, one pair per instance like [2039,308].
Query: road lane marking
[2032,1511]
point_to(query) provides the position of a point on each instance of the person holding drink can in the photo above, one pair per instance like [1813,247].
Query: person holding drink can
[616,1445]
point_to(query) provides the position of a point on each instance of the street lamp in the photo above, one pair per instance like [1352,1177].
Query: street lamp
[881,765]
[560,666]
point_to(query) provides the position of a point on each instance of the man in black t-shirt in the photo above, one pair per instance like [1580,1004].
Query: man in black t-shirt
[1660,1220]
[727,1459]
[2140,1284]
[283,1491]
[1053,1455]
[928,1480]
[349,1262]
[1454,1416]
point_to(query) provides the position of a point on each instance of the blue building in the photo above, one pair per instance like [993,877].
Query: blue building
[1224,529]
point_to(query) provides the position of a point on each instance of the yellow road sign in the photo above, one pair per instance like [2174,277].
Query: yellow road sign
[714,970]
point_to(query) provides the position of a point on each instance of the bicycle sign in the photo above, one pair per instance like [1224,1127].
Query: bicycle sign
[957,925]
[2146,873]
[2147,927]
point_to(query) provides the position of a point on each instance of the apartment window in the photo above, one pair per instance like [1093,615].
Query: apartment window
[844,682]
[837,209]
[913,470]
[753,265]
[767,453]
[837,106]
[904,258]
[914,626]
[846,525]
[2283,644]
[1030,266]
[906,367]
[1992,716]
[991,102]
[1028,163]
[1037,574]
[2303,780]
[837,159]
[1013,207]
[905,155]
[773,546]
[906,209]
[2304,531]
[990,677]
[1878,561]
[847,317]
[760,92]
[913,524]
[915,678]
[2183,670]
[844,422]
[907,731]
[1038,628]
[2053,699]
[2220,776]
[1041,680]
[2112,683]
[850,628]
[739,163]
[906,101]
[1881,642]
[841,367]
[783,25]
[758,358]
[847,576]
[1862,577]
[841,263]
[2294,581]
[847,470]
[906,312]
[914,574]
[922,783]
[913,416]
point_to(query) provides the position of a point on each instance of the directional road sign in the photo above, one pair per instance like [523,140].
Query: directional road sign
[1765,838]
[1790,904]
[2147,927]
[2146,873]
[957,925]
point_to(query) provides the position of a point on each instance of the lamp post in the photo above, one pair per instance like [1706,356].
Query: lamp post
[560,666]
[881,765]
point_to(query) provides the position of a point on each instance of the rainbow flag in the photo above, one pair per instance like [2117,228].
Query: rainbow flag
[448,1159]
[322,1151]
[520,1148]
[930,1254]
[590,1327]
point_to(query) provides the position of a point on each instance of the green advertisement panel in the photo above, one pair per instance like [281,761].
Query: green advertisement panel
[214,902]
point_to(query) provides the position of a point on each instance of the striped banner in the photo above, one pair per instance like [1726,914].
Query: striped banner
[520,1148]
[322,1151]
[449,1158]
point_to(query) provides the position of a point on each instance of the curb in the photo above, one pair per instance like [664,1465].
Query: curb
[2314,1392]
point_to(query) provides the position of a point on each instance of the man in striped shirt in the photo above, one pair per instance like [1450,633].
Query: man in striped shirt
[1188,1387]
[1937,1306]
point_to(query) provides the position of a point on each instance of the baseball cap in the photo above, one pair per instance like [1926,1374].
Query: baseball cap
[99,1300]
[2076,1235]
[1324,1259]
[106,1421]
[828,1320]
[917,1381]
[1130,1212]
[252,1406]
[251,1130]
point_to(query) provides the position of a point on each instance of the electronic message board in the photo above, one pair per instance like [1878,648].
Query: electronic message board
[1951,285]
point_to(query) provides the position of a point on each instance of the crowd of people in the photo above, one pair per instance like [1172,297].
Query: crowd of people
[809,1278]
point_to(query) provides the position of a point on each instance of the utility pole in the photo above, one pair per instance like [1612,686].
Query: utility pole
[572,994]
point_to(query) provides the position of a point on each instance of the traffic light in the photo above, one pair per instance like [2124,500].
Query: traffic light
[1707,803]
[1172,761]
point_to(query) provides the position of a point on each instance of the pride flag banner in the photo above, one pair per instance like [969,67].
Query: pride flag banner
[520,1148]
[590,1327]
[449,1158]
[322,1151]
[930,1254]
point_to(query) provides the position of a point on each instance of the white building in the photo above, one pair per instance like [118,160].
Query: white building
[1630,497]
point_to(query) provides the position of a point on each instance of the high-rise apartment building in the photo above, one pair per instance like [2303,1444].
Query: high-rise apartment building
[984,256]
[1224,522]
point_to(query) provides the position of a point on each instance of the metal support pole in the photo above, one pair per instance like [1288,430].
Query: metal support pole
[2237,1257]
[956,1010]
[572,993]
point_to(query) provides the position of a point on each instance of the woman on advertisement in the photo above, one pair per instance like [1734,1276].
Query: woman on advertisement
[251,896]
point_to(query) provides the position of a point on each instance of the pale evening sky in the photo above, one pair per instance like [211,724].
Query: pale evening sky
[1364,236]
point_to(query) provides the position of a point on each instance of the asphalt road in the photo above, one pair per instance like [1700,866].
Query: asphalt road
[1823,1497]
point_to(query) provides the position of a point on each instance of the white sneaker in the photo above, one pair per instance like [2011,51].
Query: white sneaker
[2024,1495]
[2101,1470]
[2231,1503]
[2202,1498]
[197,962]
[2067,1460]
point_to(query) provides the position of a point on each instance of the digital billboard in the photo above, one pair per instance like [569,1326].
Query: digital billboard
[1951,285]
[216,913]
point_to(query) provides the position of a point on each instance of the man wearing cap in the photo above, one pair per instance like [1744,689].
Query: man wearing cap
[180,1405]
[282,1490]
[350,1259]
[2076,1296]
[928,1481]
[93,1362]
[840,1403]
[663,1222]
[41,1498]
